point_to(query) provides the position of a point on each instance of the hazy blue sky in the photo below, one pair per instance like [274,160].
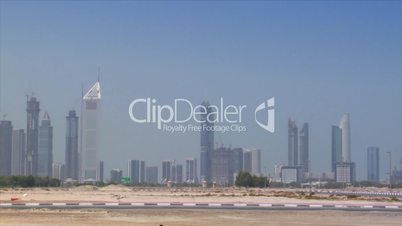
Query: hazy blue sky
[319,59]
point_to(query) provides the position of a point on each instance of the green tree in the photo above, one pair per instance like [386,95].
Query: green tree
[244,179]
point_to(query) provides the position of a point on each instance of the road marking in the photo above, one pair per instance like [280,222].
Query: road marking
[150,204]
[288,205]
[32,204]
[111,204]
[214,204]
[85,204]
[265,204]
[98,203]
[137,204]
[240,204]
[59,204]
[5,204]
[188,204]
[163,204]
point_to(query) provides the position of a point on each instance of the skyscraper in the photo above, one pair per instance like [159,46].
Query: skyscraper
[304,148]
[191,171]
[133,171]
[256,162]
[344,169]
[45,149]
[142,171]
[151,174]
[236,161]
[345,126]
[32,136]
[179,173]
[173,172]
[59,171]
[166,169]
[247,161]
[90,134]
[136,171]
[336,147]
[221,166]
[18,152]
[292,143]
[101,171]
[207,142]
[71,155]
[6,129]
[373,164]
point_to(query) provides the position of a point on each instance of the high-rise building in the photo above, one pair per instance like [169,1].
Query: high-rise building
[71,155]
[304,148]
[101,171]
[207,142]
[18,152]
[236,160]
[373,164]
[136,171]
[33,109]
[59,171]
[45,149]
[173,172]
[151,174]
[179,173]
[345,126]
[256,162]
[191,171]
[278,172]
[292,143]
[142,171]
[345,172]
[116,175]
[221,166]
[341,161]
[336,147]
[6,130]
[396,177]
[90,134]
[166,170]
[290,174]
[247,161]
[133,171]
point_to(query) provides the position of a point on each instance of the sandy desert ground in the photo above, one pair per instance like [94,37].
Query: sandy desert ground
[116,193]
[119,193]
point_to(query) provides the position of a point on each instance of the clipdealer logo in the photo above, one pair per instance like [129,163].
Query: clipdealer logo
[183,116]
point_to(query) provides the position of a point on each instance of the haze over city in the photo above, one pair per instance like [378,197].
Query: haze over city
[318,61]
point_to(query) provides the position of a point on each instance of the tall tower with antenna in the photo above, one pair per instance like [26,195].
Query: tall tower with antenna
[89,154]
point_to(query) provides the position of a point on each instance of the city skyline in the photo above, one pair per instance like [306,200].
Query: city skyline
[298,152]
[205,60]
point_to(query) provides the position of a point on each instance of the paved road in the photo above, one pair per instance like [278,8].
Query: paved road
[267,206]
[359,193]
